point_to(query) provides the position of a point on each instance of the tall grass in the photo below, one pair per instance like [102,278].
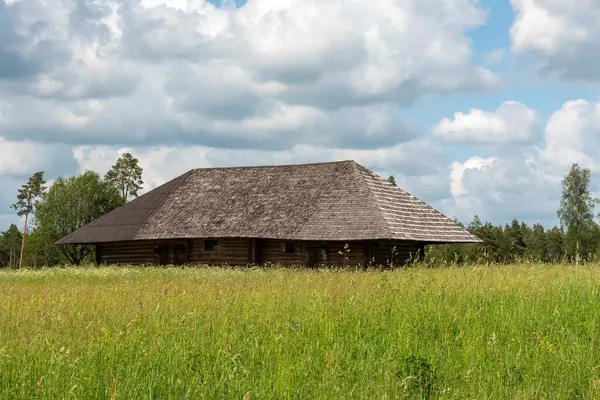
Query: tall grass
[521,331]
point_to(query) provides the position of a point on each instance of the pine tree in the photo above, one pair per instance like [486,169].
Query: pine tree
[126,175]
[555,244]
[27,199]
[535,244]
[515,237]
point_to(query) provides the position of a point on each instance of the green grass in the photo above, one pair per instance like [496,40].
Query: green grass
[524,331]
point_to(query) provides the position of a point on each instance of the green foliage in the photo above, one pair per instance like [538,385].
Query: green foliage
[578,238]
[515,242]
[126,175]
[535,243]
[576,212]
[554,245]
[418,377]
[10,247]
[515,332]
[392,180]
[29,194]
[41,251]
[72,203]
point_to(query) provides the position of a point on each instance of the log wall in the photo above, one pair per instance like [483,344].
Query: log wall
[135,252]
[382,252]
[242,251]
[230,251]
[309,254]
[356,256]
[313,254]
[273,252]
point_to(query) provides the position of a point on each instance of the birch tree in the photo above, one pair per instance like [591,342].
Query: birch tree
[576,212]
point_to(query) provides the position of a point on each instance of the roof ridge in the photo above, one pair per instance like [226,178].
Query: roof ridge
[275,165]
[361,171]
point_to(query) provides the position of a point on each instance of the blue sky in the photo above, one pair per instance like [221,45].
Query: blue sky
[477,107]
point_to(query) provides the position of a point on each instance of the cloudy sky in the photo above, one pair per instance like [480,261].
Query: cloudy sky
[477,107]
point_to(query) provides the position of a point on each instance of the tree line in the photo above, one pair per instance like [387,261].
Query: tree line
[576,240]
[53,212]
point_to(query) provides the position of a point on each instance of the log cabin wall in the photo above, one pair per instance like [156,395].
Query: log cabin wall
[382,253]
[230,251]
[134,252]
[274,252]
[355,257]
[243,251]
[310,253]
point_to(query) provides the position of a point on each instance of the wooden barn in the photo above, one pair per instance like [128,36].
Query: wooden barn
[336,213]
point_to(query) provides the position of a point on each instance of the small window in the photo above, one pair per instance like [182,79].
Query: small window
[210,245]
[323,254]
[290,248]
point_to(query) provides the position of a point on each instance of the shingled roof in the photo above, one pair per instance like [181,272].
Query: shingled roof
[335,201]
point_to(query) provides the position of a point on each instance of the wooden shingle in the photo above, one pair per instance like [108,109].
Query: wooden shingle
[335,201]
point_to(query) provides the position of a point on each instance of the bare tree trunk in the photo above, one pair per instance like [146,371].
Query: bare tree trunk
[23,242]
[577,254]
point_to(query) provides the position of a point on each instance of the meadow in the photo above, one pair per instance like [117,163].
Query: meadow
[493,332]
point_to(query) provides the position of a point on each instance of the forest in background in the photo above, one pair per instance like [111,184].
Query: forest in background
[50,213]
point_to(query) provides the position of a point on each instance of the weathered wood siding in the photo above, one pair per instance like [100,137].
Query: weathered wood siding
[242,251]
[134,252]
[355,257]
[230,251]
[273,252]
[382,252]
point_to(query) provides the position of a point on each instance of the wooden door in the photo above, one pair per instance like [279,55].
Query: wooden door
[172,254]
[260,251]
[312,257]
[164,255]
[179,254]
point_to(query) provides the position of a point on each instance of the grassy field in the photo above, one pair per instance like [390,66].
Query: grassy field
[523,331]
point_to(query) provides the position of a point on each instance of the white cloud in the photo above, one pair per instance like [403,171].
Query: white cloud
[267,74]
[187,81]
[500,189]
[457,186]
[26,157]
[18,161]
[524,182]
[184,84]
[573,136]
[563,35]
[511,123]
[527,182]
